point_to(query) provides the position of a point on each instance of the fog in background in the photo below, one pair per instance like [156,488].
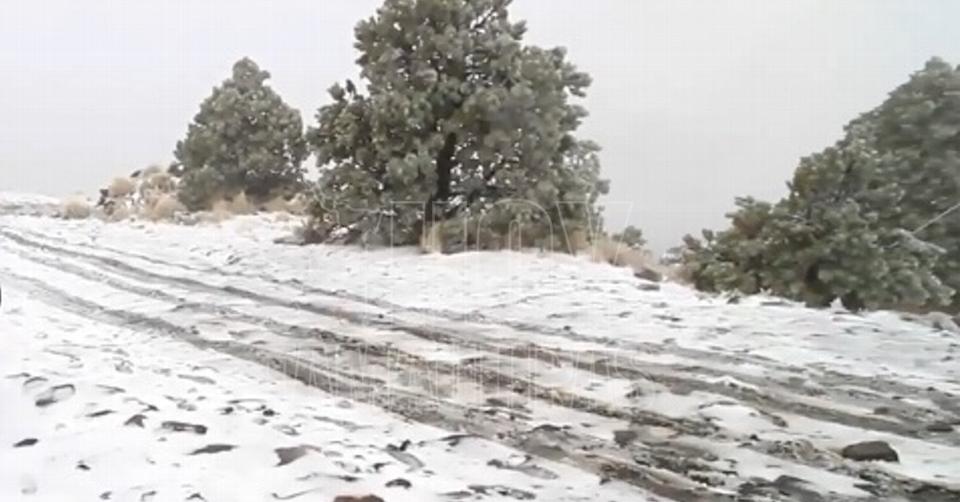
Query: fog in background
[694,102]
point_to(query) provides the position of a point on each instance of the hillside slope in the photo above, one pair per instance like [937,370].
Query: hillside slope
[161,362]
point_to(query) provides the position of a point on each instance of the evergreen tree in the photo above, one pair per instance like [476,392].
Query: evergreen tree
[461,125]
[837,235]
[632,237]
[918,129]
[244,139]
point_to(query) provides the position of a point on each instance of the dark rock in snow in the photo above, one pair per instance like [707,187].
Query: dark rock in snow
[871,450]
[26,442]
[939,427]
[399,483]
[174,426]
[290,455]
[934,493]
[33,382]
[135,421]
[351,498]
[648,274]
[624,438]
[213,448]
[526,467]
[503,491]
[796,488]
[648,286]
[55,394]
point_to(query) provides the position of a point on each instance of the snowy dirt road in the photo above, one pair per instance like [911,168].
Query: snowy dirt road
[157,362]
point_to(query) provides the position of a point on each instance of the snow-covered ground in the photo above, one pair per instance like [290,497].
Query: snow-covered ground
[161,362]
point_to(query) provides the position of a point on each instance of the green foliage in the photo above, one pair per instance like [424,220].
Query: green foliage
[631,236]
[460,122]
[198,188]
[918,128]
[866,221]
[245,138]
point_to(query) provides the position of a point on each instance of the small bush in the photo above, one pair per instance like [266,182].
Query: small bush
[198,189]
[431,242]
[165,208]
[151,170]
[121,187]
[298,204]
[117,211]
[247,135]
[577,241]
[632,237]
[161,182]
[75,208]
[619,254]
[238,204]
[275,205]
[214,216]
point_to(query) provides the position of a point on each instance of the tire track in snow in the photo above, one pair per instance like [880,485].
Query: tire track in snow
[473,317]
[824,378]
[313,372]
[775,399]
[585,452]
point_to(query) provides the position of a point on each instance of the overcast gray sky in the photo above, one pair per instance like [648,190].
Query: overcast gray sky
[694,102]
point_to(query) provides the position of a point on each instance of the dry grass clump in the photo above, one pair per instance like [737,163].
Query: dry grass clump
[215,216]
[165,208]
[160,182]
[618,254]
[577,241]
[118,211]
[457,237]
[275,205]
[151,170]
[238,204]
[121,187]
[299,204]
[431,242]
[606,250]
[75,208]
[296,204]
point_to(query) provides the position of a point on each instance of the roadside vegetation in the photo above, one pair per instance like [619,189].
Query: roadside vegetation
[461,136]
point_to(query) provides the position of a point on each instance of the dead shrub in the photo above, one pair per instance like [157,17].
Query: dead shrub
[275,205]
[577,241]
[431,242]
[238,204]
[121,187]
[618,254]
[165,208]
[118,211]
[298,204]
[75,208]
[151,170]
[214,216]
[161,182]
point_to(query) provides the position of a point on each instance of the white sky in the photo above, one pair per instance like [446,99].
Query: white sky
[694,102]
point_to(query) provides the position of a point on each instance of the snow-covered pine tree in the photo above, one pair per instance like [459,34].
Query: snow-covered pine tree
[245,139]
[458,124]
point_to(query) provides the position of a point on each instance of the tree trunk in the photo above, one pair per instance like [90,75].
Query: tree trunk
[445,163]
